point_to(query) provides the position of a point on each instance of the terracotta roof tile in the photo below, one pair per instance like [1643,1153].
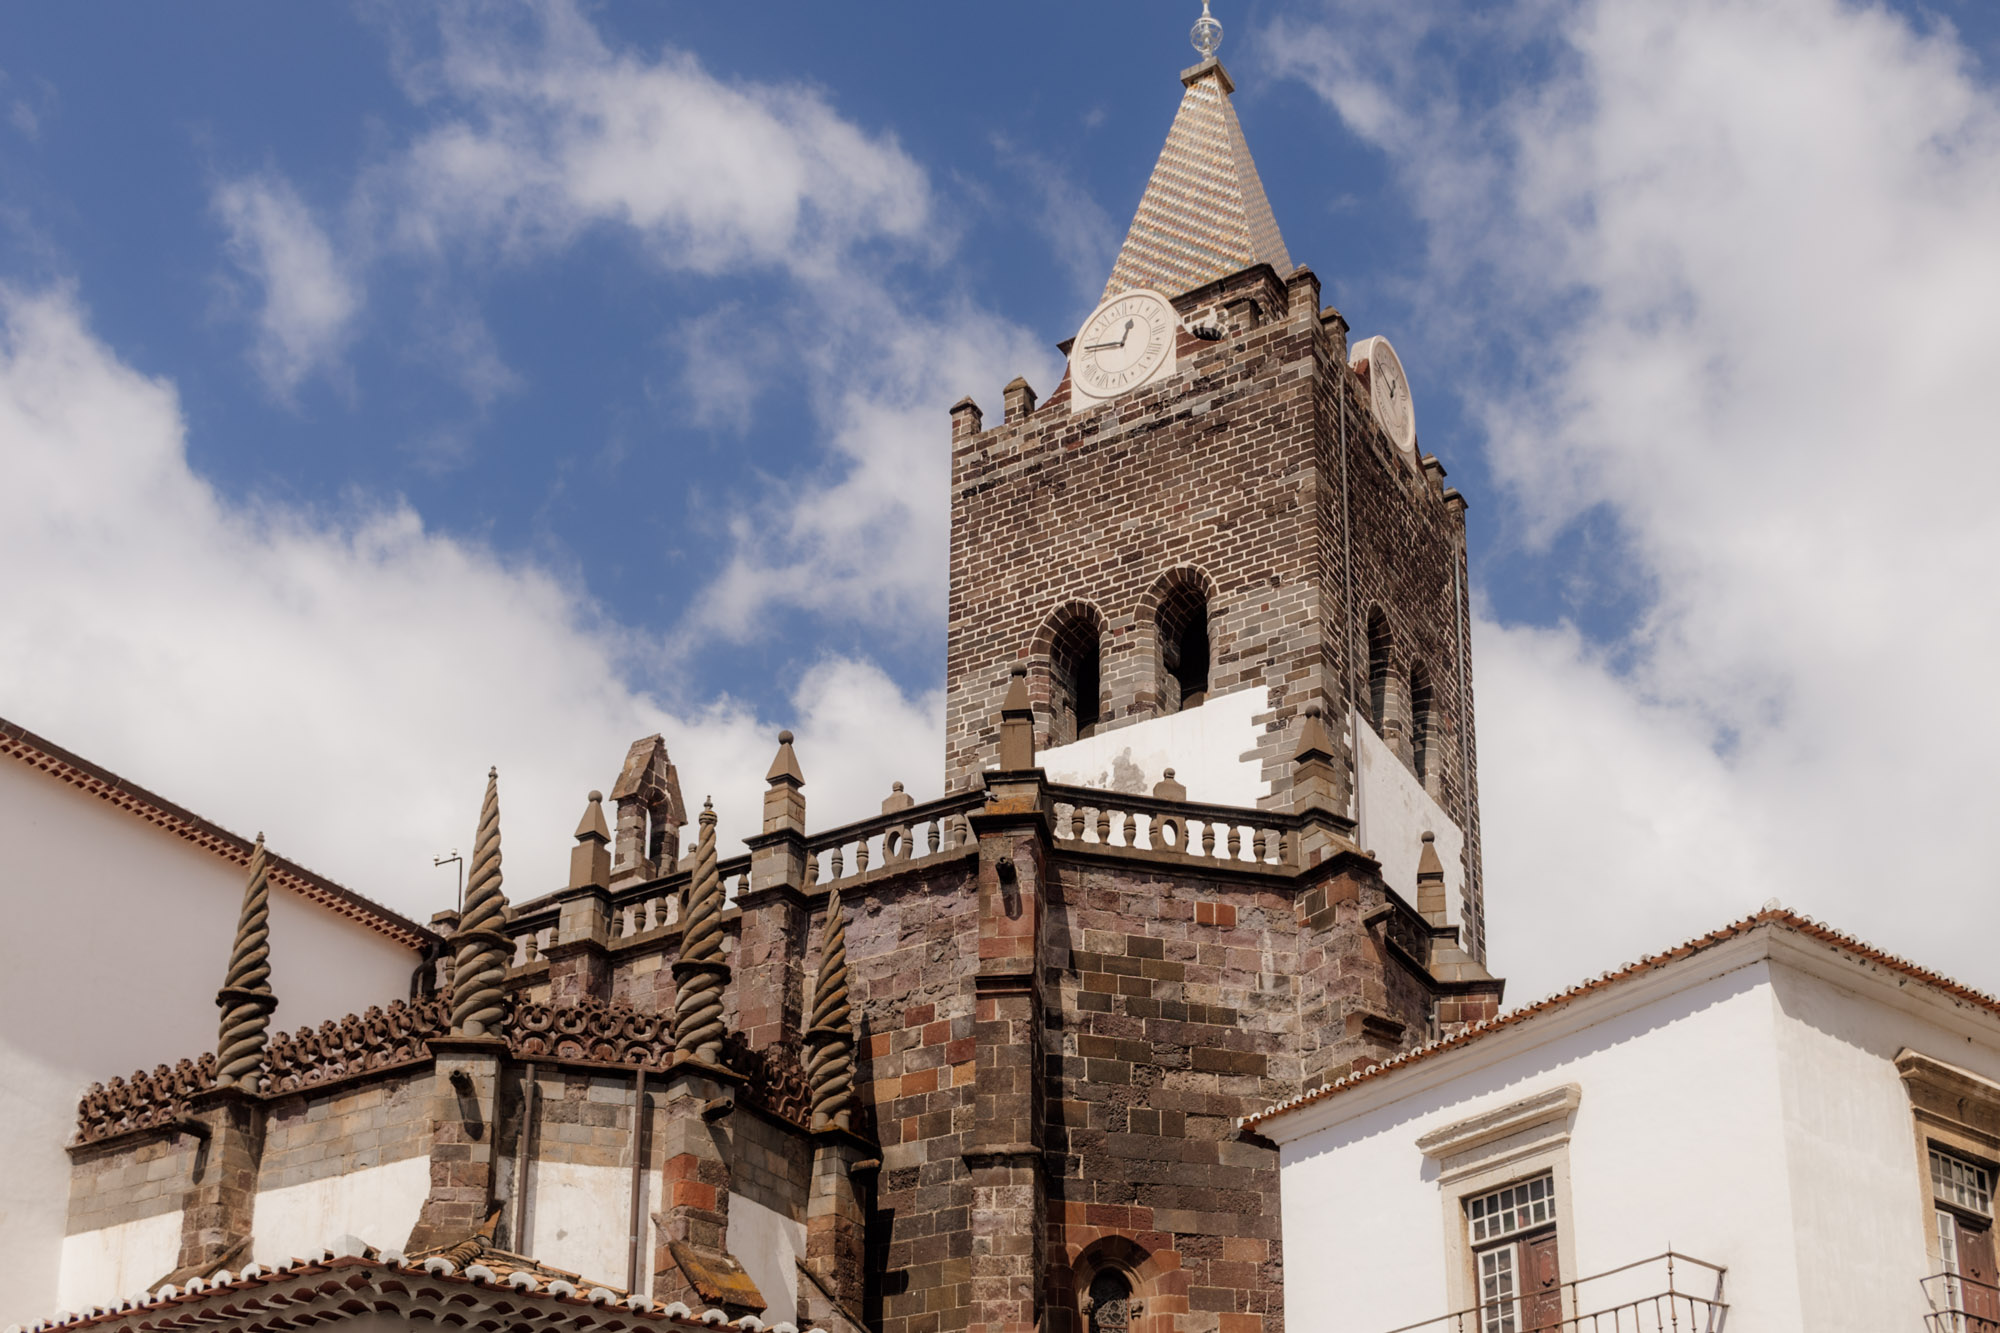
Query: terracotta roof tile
[1770,917]
[499,1293]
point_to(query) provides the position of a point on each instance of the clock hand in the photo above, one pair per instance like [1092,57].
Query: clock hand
[1123,338]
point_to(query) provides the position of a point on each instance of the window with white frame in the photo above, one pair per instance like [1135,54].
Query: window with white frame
[1512,1231]
[1962,1211]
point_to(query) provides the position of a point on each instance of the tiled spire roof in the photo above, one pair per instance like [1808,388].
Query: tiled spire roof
[1204,214]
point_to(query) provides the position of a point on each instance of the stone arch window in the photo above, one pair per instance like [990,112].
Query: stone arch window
[1381,643]
[1109,1305]
[1180,613]
[1423,721]
[1076,673]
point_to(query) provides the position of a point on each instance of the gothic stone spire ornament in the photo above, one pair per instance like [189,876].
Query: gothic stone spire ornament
[830,1035]
[480,947]
[701,974]
[246,997]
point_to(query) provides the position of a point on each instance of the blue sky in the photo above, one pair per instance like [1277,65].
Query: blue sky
[405,392]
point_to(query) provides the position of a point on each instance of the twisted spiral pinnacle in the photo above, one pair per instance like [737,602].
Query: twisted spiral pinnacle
[480,949]
[701,975]
[830,1034]
[246,997]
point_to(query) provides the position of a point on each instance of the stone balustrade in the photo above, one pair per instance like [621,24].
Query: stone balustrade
[935,829]
[1182,831]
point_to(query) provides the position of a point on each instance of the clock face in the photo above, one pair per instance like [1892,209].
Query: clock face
[1389,390]
[1126,342]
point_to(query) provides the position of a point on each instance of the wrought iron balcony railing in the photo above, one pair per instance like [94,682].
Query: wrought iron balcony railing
[1961,1305]
[1668,1293]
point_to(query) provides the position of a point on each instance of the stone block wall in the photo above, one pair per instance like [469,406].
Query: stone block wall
[127,1180]
[1214,470]
[1259,464]
[372,1122]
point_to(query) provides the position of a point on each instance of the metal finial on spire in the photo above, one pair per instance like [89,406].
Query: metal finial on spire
[1206,33]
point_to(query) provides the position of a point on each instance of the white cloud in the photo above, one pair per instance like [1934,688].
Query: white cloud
[1745,250]
[550,132]
[868,536]
[308,299]
[343,682]
[542,134]
[1080,233]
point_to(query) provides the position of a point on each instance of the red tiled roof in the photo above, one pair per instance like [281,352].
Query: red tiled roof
[19,743]
[490,1295]
[1772,917]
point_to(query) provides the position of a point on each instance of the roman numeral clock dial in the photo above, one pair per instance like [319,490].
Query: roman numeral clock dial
[1127,342]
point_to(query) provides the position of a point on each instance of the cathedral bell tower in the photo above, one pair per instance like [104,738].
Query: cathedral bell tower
[1220,516]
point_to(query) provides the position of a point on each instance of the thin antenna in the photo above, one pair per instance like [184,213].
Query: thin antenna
[454,859]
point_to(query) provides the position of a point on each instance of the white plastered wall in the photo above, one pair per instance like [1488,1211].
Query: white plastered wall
[127,931]
[1856,1176]
[1679,1139]
[102,1266]
[770,1246]
[1210,748]
[1753,1117]
[379,1204]
[579,1218]
[1396,812]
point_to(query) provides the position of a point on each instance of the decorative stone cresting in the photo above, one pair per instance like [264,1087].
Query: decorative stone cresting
[380,1038]
[700,974]
[481,948]
[590,1031]
[605,1032]
[830,1034]
[144,1101]
[246,998]
[775,1081]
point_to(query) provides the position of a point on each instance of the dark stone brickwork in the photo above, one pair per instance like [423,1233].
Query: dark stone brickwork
[1245,466]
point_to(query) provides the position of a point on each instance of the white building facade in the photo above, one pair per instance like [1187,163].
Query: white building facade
[1775,1127]
[121,908]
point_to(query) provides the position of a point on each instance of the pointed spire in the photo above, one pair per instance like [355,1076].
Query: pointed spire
[700,974]
[785,764]
[1314,743]
[246,998]
[590,859]
[1430,882]
[830,1035]
[784,801]
[1204,214]
[1017,725]
[479,945]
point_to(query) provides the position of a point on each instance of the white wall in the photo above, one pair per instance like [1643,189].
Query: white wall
[379,1204]
[1210,749]
[1754,1118]
[579,1218]
[770,1246]
[120,933]
[1856,1177]
[111,1263]
[1396,812]
[1678,1140]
